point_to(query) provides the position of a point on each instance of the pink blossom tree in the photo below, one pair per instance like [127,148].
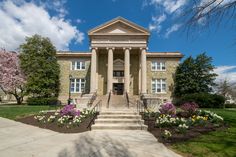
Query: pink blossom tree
[12,79]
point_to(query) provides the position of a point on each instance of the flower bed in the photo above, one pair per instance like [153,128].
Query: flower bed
[66,120]
[170,126]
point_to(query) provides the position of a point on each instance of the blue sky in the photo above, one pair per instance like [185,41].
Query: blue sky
[66,23]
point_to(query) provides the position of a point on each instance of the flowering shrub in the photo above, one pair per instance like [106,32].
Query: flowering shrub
[68,116]
[189,107]
[70,110]
[166,134]
[212,117]
[167,120]
[168,108]
[182,128]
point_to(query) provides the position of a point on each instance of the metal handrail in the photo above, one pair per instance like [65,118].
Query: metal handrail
[127,98]
[91,100]
[108,100]
[96,108]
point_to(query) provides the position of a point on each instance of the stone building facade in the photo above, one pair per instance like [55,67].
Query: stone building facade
[118,62]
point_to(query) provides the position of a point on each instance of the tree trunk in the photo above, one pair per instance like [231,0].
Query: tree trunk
[19,100]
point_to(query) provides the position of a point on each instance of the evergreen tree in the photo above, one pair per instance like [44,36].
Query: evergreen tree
[39,63]
[194,75]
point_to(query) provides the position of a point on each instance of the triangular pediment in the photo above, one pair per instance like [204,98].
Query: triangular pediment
[119,26]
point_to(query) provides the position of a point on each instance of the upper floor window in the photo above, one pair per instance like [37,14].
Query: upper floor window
[77,85]
[158,66]
[78,65]
[158,85]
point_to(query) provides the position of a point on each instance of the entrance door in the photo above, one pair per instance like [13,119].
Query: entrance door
[118,88]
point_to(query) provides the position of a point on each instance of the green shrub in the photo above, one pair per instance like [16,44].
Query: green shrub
[42,101]
[204,100]
[230,105]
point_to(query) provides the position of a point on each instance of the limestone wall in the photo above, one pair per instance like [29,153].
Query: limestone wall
[65,67]
[168,74]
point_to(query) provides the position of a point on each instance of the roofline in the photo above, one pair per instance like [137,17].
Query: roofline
[149,54]
[122,19]
[165,54]
[73,54]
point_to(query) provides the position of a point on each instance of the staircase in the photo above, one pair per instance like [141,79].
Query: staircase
[119,120]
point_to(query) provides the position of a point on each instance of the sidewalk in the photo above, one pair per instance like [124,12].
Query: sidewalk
[23,140]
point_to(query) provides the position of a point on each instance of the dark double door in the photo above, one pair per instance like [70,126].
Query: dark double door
[118,88]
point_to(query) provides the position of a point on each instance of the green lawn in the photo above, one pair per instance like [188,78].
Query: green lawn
[17,111]
[214,144]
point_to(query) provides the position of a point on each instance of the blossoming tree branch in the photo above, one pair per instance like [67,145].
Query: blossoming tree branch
[12,79]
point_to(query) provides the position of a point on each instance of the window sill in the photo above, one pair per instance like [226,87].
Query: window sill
[79,70]
[158,70]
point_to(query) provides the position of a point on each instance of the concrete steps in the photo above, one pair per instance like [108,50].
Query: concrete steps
[119,120]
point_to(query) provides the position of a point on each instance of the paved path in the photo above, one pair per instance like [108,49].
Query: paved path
[23,140]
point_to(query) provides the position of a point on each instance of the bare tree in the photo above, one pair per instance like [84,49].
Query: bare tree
[206,12]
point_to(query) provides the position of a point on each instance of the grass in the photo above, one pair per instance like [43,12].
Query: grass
[16,111]
[213,144]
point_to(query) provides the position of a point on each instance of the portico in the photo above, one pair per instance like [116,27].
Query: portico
[118,63]
[119,37]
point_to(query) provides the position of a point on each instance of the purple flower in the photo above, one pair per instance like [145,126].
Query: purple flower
[189,107]
[168,108]
[70,110]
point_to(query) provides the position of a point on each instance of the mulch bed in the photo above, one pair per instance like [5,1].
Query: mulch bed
[54,127]
[192,132]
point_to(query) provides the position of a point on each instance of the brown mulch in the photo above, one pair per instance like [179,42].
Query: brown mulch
[54,127]
[192,132]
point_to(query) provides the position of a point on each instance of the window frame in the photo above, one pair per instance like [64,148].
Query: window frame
[74,81]
[74,65]
[159,82]
[156,64]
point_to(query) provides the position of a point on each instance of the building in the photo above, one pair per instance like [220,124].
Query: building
[118,62]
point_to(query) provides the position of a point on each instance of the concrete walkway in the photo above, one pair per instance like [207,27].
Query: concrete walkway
[23,140]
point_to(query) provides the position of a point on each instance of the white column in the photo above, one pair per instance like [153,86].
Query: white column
[127,69]
[139,74]
[144,71]
[93,73]
[110,70]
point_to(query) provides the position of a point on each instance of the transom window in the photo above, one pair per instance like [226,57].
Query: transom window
[77,85]
[78,65]
[158,85]
[158,66]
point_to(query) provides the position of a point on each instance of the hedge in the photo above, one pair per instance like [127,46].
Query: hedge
[230,105]
[204,100]
[42,101]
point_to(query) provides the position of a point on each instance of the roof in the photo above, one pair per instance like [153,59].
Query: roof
[119,19]
[165,54]
[73,54]
[149,54]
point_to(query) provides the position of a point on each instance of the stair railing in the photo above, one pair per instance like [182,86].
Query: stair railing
[108,100]
[91,100]
[96,109]
[127,98]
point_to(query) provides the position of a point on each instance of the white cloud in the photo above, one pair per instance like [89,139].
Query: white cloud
[20,19]
[226,72]
[172,29]
[156,23]
[169,6]
[169,10]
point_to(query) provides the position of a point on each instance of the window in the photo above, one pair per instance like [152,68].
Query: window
[118,73]
[77,85]
[158,85]
[78,65]
[158,66]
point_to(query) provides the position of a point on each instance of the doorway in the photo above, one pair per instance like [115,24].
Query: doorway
[118,88]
